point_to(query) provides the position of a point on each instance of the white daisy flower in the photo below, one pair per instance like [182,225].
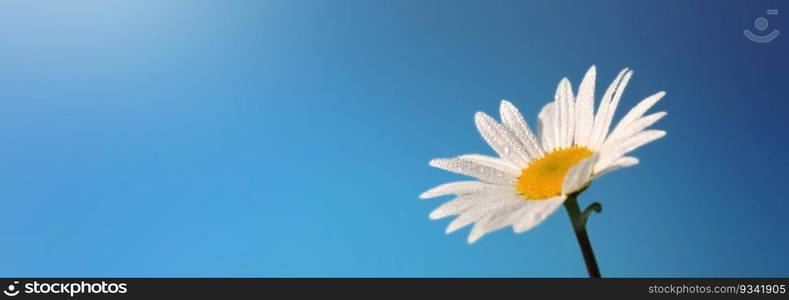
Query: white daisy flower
[534,174]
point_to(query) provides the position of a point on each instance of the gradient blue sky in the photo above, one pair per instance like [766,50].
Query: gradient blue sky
[291,138]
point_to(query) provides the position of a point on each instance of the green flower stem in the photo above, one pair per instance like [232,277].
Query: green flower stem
[578,220]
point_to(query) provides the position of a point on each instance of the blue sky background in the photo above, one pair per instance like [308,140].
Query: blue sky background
[291,138]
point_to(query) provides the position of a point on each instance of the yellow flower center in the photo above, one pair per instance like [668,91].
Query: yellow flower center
[543,177]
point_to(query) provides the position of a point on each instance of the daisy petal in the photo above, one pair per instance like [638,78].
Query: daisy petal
[460,188]
[512,217]
[565,103]
[513,120]
[584,108]
[600,127]
[637,111]
[484,172]
[461,221]
[557,123]
[466,202]
[501,139]
[476,213]
[614,104]
[621,133]
[622,162]
[494,220]
[639,140]
[629,145]
[535,212]
[579,175]
[494,162]
[546,127]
